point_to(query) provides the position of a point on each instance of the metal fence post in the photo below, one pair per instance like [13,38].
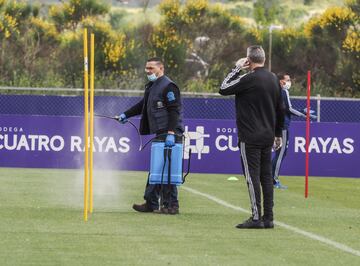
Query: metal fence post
[318,101]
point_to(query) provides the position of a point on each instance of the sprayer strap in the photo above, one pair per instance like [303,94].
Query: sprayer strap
[188,170]
[169,166]
[163,170]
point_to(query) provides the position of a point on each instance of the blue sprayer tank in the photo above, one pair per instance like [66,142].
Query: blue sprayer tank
[159,172]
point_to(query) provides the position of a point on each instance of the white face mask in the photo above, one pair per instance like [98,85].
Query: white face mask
[287,85]
[152,77]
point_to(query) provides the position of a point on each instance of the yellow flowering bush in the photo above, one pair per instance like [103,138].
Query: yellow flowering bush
[188,34]
[255,34]
[352,42]
[69,14]
[111,46]
[334,19]
[312,27]
[114,50]
[8,26]
[45,30]
[194,10]
[288,37]
[168,45]
[170,8]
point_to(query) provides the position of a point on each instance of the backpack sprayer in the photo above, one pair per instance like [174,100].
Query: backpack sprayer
[170,158]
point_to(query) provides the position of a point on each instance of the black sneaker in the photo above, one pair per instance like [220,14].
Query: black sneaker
[251,224]
[145,207]
[268,223]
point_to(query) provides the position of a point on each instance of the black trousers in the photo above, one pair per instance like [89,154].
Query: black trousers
[168,193]
[256,161]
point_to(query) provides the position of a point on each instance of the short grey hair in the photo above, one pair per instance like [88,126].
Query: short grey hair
[256,54]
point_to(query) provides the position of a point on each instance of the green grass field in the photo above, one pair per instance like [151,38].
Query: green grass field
[41,222]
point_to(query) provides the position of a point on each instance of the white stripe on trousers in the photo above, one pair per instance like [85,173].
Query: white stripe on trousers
[249,181]
[281,155]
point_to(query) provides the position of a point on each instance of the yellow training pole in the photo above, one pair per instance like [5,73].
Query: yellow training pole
[92,42]
[86,125]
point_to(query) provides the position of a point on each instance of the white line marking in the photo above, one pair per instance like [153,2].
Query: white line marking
[324,240]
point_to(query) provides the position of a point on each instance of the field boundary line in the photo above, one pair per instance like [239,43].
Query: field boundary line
[299,231]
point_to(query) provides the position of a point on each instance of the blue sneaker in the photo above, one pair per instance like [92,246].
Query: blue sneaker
[279,185]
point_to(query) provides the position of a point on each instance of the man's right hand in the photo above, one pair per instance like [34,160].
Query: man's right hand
[242,63]
[122,118]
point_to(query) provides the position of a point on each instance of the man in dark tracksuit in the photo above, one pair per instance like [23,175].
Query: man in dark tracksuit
[161,114]
[259,118]
[285,83]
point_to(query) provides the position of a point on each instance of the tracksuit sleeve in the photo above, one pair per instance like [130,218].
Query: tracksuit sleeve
[232,84]
[135,110]
[173,105]
[289,107]
[280,115]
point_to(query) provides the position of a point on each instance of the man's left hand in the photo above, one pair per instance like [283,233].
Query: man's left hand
[277,143]
[314,117]
[170,140]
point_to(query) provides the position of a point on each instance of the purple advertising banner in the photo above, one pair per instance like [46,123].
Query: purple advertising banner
[57,142]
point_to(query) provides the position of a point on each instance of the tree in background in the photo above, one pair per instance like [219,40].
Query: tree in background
[266,11]
[19,46]
[69,14]
[199,42]
[332,61]
[167,41]
[351,45]
[308,2]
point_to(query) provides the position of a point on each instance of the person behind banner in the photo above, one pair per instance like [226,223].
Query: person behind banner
[285,83]
[161,114]
[259,119]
